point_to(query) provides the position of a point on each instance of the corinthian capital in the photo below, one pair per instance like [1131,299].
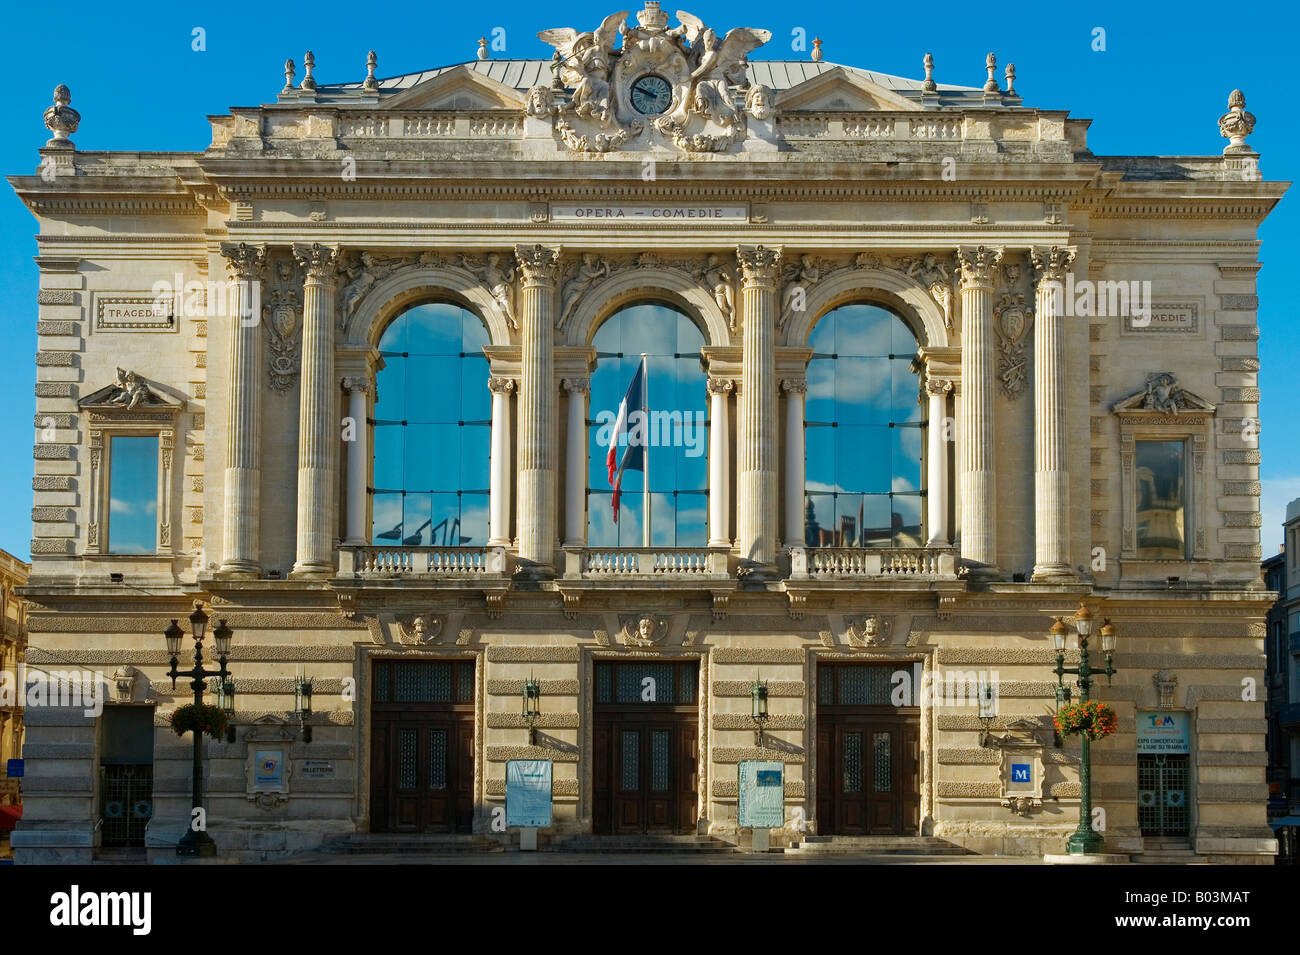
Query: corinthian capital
[576,386]
[758,266]
[977,265]
[246,262]
[356,383]
[720,386]
[501,386]
[537,264]
[1051,265]
[318,261]
[937,387]
[794,386]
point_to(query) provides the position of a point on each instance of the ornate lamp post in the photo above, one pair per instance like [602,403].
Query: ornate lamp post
[197,842]
[1084,839]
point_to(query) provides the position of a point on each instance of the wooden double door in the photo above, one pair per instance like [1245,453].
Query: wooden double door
[422,747]
[646,747]
[868,754]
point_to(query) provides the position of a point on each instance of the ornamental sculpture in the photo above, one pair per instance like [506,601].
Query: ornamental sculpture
[684,85]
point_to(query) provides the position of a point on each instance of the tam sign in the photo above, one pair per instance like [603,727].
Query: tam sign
[1163,731]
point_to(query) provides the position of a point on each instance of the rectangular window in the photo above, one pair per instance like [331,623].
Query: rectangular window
[133,495]
[1161,500]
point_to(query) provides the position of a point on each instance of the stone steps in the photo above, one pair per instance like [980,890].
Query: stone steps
[396,843]
[877,845]
[647,843]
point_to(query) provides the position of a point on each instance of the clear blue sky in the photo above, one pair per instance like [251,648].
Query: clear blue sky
[1158,88]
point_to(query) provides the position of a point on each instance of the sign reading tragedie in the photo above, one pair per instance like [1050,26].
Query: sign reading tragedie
[762,795]
[1163,731]
[676,213]
[528,793]
[133,314]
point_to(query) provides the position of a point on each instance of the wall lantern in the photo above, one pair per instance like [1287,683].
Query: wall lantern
[758,708]
[226,702]
[532,707]
[302,702]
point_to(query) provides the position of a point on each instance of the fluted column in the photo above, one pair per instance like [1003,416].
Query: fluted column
[536,508]
[1051,477]
[719,462]
[499,492]
[575,467]
[318,417]
[936,485]
[756,428]
[978,491]
[794,389]
[240,551]
[357,387]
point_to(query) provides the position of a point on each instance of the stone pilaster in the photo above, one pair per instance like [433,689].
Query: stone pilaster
[499,491]
[795,389]
[1051,476]
[240,546]
[358,388]
[978,372]
[575,467]
[537,401]
[719,462]
[756,470]
[936,485]
[318,419]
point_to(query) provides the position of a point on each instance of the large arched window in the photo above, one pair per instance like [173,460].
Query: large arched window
[863,432]
[433,428]
[676,430]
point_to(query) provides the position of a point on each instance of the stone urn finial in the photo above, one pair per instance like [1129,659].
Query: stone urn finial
[482,51]
[372,61]
[61,119]
[1236,124]
[309,65]
[929,85]
[817,50]
[991,64]
[1011,79]
[289,70]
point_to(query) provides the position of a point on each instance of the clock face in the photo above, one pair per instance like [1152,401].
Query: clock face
[651,95]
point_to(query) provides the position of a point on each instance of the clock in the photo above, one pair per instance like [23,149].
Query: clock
[651,95]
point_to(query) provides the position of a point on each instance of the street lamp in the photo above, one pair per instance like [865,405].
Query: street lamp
[532,708]
[226,700]
[1084,839]
[197,842]
[302,702]
[758,709]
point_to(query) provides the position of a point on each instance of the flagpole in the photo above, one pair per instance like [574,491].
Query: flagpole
[645,499]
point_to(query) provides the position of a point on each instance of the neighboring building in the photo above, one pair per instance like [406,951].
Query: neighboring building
[13,652]
[1282,574]
[917,454]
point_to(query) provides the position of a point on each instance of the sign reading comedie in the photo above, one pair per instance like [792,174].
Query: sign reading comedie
[678,213]
[528,793]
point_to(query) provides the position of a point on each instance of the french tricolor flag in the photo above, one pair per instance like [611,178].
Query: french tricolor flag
[637,400]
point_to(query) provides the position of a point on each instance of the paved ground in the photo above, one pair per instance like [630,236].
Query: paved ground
[652,858]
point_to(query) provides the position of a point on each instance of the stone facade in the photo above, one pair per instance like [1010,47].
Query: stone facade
[13,655]
[542,202]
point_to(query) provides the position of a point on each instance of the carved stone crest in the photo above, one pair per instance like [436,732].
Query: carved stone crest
[1011,321]
[423,629]
[283,315]
[645,630]
[870,631]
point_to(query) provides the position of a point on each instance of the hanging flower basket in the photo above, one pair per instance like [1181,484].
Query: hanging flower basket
[1092,719]
[199,718]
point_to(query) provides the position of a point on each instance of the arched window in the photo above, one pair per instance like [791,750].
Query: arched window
[433,429]
[675,431]
[863,432]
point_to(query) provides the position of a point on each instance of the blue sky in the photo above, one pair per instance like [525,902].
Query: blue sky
[1158,88]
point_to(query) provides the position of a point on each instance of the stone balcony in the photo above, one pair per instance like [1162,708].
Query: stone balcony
[824,565]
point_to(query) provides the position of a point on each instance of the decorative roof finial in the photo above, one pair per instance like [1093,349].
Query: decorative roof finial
[1011,79]
[652,18]
[289,71]
[991,64]
[557,64]
[482,53]
[61,119]
[929,85]
[371,62]
[308,64]
[817,50]
[1236,124]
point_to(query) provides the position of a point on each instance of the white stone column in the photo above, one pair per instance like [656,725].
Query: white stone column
[756,425]
[936,485]
[358,389]
[499,492]
[794,389]
[537,457]
[318,416]
[1051,477]
[978,369]
[719,462]
[575,467]
[242,505]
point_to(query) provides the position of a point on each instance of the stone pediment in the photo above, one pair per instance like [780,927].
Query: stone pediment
[840,89]
[130,394]
[460,88]
[1163,396]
